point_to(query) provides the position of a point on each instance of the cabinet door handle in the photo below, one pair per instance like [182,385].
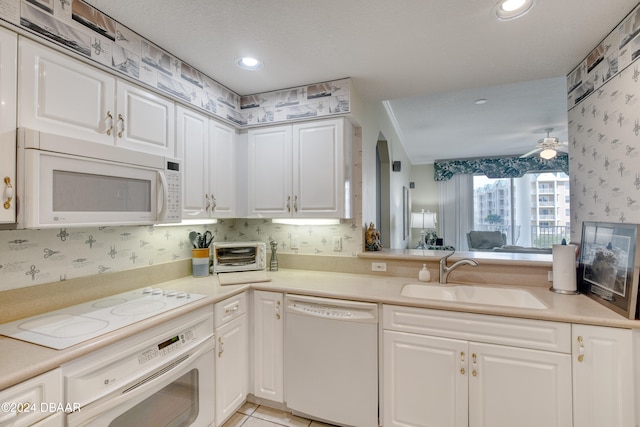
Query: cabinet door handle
[213,203]
[277,310]
[121,121]
[580,349]
[474,364]
[289,204]
[220,347]
[295,204]
[8,191]
[208,204]
[110,117]
[462,363]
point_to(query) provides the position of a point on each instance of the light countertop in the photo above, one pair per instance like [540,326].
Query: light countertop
[20,360]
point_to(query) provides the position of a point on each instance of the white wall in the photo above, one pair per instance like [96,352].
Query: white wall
[425,195]
[375,122]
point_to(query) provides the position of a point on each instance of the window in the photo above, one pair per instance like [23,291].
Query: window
[532,211]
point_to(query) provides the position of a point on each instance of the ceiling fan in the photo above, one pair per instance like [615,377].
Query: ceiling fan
[548,147]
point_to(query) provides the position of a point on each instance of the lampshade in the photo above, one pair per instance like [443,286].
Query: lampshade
[423,220]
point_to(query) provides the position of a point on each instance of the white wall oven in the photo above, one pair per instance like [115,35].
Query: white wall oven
[161,377]
[62,181]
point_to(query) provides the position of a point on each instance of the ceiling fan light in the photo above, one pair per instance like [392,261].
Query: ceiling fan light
[548,153]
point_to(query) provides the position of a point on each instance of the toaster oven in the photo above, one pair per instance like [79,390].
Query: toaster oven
[239,256]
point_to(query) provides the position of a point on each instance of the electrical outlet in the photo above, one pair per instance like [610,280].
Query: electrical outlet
[378,266]
[550,276]
[337,244]
[294,241]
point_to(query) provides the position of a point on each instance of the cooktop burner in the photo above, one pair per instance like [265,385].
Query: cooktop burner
[72,325]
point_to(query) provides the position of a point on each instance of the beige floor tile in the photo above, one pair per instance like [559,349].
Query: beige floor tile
[248,408]
[280,417]
[257,422]
[236,420]
[319,424]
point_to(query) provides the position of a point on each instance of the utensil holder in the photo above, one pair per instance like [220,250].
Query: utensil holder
[200,262]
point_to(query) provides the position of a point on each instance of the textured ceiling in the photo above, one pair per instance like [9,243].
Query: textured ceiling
[429,58]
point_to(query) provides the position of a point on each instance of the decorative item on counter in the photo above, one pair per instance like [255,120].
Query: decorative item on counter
[372,239]
[424,275]
[273,263]
[564,269]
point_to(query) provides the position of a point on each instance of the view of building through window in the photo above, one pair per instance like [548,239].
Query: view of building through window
[532,211]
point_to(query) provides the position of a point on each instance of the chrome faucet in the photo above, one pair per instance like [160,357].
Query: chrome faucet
[444,270]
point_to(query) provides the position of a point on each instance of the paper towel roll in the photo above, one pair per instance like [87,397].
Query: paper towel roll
[564,269]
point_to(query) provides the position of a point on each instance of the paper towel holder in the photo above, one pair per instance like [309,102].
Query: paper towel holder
[559,290]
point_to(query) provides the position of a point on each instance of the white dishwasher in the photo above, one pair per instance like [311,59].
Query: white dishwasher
[331,360]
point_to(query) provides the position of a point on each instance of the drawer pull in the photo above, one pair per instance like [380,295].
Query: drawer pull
[231,310]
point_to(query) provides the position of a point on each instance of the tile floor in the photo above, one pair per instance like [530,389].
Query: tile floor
[252,415]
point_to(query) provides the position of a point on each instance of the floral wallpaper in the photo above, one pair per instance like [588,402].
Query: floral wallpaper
[604,138]
[34,257]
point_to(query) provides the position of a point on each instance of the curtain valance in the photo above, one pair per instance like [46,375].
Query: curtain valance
[502,167]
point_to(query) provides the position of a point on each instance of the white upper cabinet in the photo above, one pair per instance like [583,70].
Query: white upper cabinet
[65,96]
[61,95]
[300,170]
[145,121]
[8,79]
[222,159]
[209,159]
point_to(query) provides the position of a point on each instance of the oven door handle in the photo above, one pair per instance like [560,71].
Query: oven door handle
[129,396]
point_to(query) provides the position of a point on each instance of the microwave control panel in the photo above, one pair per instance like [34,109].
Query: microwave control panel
[174,200]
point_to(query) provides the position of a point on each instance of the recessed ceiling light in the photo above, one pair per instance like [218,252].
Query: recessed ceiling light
[249,63]
[480,101]
[512,9]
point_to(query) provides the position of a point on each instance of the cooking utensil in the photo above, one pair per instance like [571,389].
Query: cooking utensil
[208,238]
[193,238]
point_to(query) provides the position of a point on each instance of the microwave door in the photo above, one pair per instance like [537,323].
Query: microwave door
[81,191]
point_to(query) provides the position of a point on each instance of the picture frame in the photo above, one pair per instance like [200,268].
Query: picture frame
[609,266]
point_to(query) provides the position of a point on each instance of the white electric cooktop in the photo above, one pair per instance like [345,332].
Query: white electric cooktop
[72,325]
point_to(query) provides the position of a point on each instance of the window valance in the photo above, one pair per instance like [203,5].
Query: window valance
[502,167]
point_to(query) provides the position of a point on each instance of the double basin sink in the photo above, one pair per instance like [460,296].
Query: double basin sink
[473,294]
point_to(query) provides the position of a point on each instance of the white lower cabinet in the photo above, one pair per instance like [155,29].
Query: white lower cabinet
[437,372]
[603,376]
[268,346]
[27,403]
[232,349]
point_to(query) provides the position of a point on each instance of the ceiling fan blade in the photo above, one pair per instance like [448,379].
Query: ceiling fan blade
[563,146]
[535,150]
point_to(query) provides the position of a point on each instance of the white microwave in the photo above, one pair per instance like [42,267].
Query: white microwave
[68,182]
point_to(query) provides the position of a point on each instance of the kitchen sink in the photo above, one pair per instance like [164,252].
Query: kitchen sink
[473,294]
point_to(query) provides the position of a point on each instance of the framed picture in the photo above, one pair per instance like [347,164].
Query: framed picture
[406,213]
[609,265]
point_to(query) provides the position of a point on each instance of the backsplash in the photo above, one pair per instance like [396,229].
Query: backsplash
[34,257]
